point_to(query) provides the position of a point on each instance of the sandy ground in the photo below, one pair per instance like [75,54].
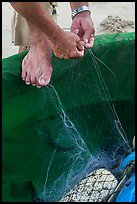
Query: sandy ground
[100,11]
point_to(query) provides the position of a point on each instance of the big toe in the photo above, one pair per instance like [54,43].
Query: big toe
[45,76]
[44,81]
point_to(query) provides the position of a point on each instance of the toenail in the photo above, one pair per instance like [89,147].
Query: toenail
[44,82]
[27,83]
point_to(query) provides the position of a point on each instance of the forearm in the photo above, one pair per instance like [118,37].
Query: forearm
[33,12]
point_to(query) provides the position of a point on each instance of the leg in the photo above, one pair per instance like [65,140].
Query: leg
[36,66]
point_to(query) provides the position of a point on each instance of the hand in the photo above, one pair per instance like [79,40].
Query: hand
[83,26]
[68,45]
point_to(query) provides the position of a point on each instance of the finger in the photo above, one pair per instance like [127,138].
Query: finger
[89,34]
[59,55]
[66,56]
[80,46]
[76,54]
[86,36]
[90,43]
[75,31]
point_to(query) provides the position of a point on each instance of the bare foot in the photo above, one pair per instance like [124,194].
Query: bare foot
[36,66]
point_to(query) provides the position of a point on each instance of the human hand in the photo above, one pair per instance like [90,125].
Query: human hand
[68,46]
[82,25]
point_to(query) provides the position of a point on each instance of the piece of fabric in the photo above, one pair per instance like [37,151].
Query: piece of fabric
[38,144]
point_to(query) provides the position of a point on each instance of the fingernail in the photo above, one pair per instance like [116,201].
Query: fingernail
[28,83]
[38,86]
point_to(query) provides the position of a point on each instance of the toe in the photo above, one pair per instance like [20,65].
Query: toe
[43,82]
[33,80]
[24,70]
[27,80]
[24,74]
[45,77]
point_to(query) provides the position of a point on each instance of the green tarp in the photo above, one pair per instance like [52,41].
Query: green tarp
[31,122]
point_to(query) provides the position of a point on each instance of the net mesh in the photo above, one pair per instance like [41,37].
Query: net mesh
[72,134]
[94,188]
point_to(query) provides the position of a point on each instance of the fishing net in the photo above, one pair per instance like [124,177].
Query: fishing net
[72,134]
[94,188]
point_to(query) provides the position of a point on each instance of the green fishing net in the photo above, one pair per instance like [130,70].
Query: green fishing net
[83,120]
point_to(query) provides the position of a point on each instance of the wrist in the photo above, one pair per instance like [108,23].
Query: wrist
[84,10]
[83,14]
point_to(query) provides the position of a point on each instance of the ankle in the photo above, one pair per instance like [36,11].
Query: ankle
[23,48]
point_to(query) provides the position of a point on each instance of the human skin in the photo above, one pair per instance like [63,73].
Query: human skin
[82,25]
[46,36]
